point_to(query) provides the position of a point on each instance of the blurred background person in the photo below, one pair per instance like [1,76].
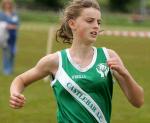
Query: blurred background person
[8,14]
[3,34]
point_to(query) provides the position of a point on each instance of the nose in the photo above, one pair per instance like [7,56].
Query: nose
[96,25]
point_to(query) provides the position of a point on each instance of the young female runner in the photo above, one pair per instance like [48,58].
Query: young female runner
[82,74]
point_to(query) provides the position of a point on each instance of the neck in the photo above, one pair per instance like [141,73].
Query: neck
[81,50]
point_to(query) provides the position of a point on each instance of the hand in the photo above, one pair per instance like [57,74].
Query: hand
[17,101]
[117,65]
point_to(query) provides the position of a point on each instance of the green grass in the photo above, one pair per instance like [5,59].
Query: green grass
[38,16]
[41,106]
[124,20]
[108,18]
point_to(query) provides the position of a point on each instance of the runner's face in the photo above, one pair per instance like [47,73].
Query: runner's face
[87,25]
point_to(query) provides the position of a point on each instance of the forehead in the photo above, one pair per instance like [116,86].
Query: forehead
[91,12]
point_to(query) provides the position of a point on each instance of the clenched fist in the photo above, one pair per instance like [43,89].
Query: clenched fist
[17,101]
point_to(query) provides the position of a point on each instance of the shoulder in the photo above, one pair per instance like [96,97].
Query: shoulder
[1,14]
[50,59]
[112,53]
[109,53]
[15,14]
[49,62]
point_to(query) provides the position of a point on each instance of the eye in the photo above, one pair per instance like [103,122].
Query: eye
[98,22]
[89,20]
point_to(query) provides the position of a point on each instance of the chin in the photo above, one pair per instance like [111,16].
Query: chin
[92,40]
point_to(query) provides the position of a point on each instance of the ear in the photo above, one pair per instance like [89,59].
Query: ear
[72,24]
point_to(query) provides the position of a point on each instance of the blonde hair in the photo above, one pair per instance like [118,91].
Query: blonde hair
[3,3]
[72,11]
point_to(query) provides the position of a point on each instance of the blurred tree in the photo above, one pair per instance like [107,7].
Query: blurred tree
[41,4]
[24,3]
[120,5]
[51,3]
[54,4]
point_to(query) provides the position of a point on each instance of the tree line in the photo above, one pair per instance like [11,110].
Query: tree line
[113,5]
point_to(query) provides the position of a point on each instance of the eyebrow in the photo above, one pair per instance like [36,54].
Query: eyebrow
[94,18]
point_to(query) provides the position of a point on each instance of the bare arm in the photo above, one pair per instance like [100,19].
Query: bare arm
[47,65]
[130,87]
[11,26]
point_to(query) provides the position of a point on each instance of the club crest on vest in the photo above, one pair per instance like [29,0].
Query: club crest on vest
[102,69]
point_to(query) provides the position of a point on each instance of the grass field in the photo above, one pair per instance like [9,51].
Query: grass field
[41,107]
[108,18]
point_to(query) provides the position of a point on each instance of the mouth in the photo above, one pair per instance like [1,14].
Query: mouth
[94,34]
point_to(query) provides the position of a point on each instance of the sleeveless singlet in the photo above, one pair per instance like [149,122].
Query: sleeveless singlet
[95,79]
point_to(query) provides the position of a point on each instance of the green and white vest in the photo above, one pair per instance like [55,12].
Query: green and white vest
[91,104]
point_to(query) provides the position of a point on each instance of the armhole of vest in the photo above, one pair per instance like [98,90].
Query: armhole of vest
[107,57]
[106,53]
[59,67]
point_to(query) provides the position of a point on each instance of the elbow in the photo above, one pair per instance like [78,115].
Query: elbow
[139,101]
[19,80]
